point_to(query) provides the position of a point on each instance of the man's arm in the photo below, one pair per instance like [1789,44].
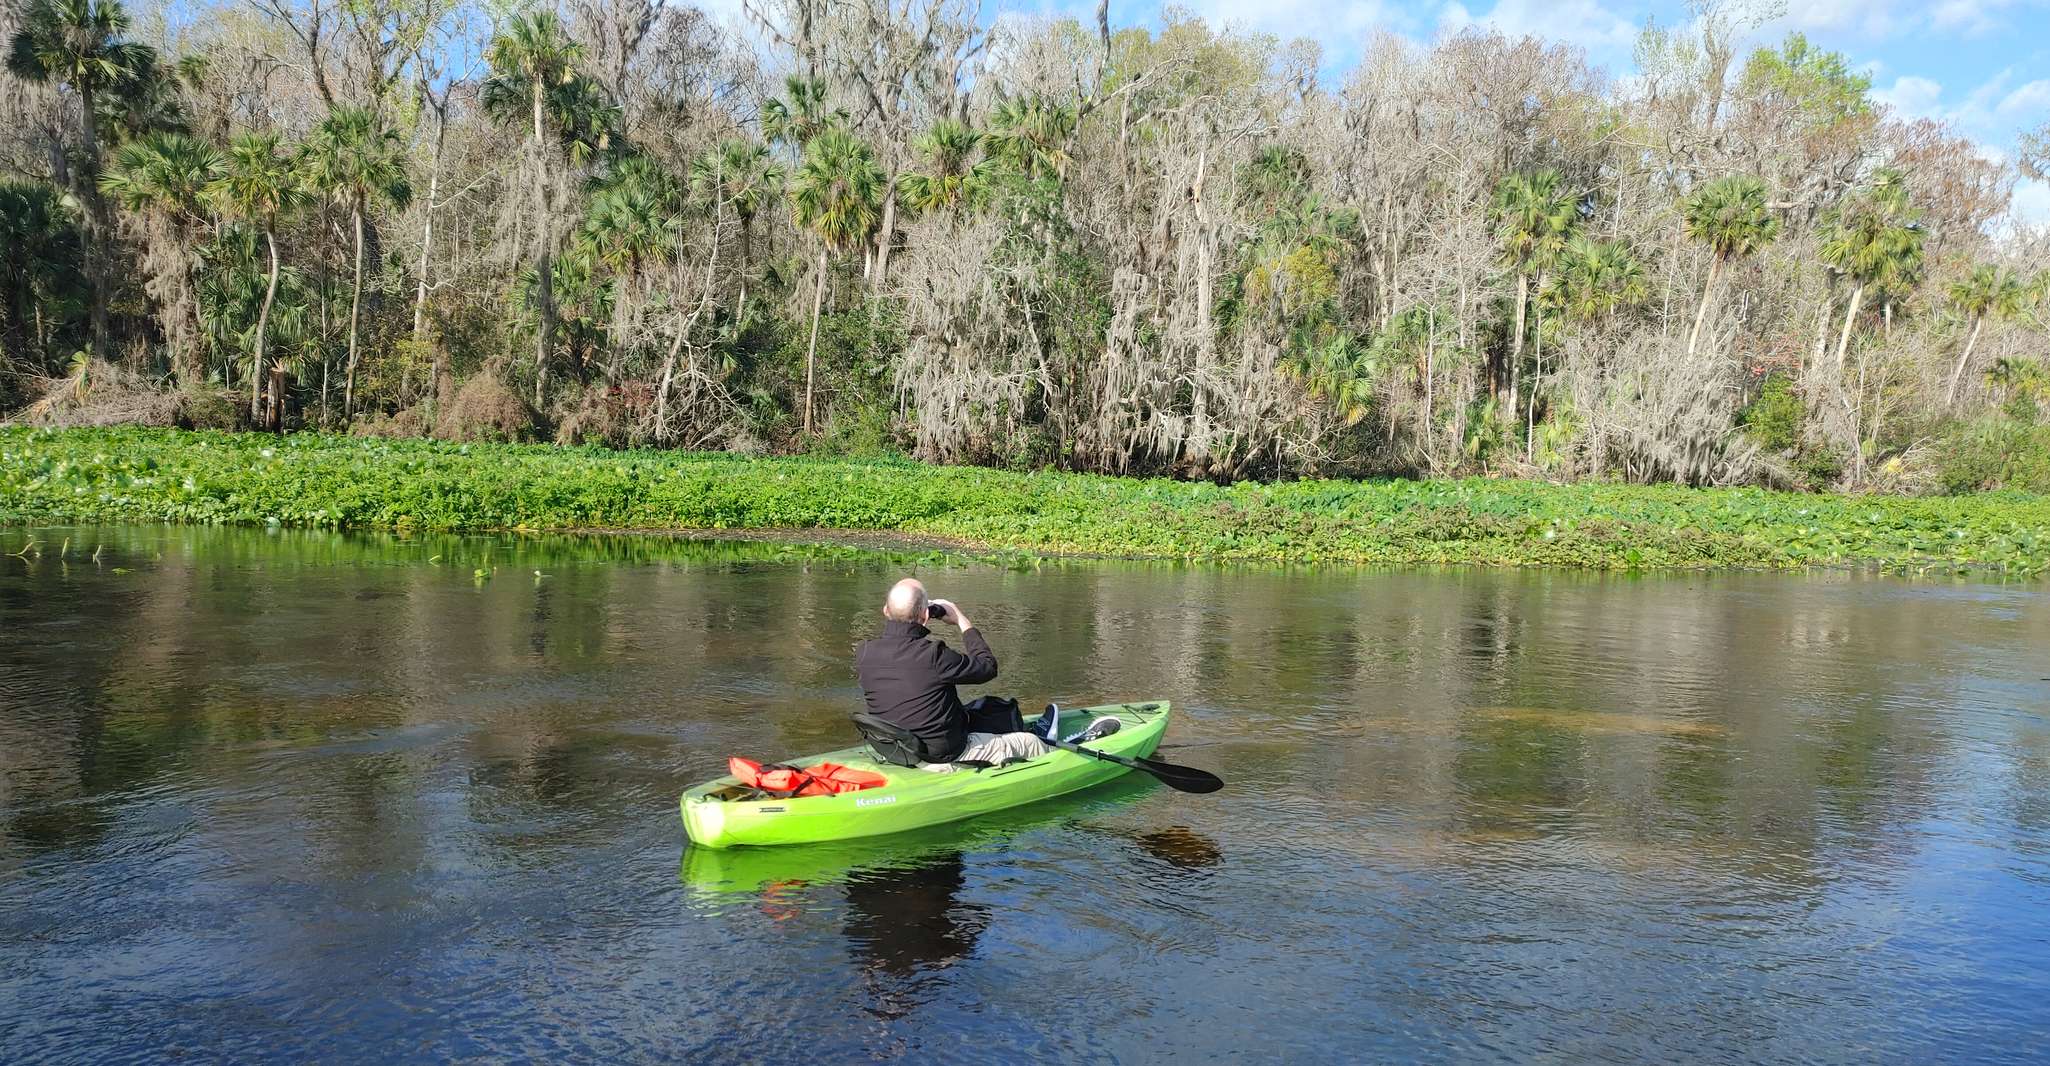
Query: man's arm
[975,664]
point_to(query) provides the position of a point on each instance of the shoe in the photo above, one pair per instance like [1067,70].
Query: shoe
[1049,722]
[1097,730]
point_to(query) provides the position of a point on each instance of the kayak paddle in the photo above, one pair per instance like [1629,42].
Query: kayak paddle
[1180,778]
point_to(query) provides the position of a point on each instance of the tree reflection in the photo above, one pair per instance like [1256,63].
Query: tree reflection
[1802,718]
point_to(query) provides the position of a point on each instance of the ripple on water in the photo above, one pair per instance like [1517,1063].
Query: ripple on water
[300,798]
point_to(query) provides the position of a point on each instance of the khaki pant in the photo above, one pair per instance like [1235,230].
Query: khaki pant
[995,748]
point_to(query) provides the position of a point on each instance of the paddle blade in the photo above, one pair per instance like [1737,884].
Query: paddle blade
[1182,778]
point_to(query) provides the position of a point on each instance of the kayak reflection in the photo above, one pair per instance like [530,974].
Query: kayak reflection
[905,924]
[904,920]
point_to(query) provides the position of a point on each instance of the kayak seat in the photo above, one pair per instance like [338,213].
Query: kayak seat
[889,743]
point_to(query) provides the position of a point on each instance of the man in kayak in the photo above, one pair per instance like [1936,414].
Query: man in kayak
[908,680]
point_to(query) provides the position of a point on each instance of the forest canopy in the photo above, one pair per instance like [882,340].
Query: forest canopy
[872,226]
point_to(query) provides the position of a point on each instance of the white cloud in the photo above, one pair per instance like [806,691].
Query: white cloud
[1972,18]
[1913,97]
[2026,102]
[1991,113]
[2031,203]
[1875,20]
[1318,20]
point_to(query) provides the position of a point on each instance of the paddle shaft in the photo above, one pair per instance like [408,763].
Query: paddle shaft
[1181,778]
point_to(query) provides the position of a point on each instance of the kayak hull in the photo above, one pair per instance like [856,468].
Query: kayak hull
[914,798]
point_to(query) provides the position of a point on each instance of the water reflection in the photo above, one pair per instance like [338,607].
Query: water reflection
[370,786]
[903,922]
[1183,849]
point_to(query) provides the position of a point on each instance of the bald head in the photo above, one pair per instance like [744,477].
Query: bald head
[906,602]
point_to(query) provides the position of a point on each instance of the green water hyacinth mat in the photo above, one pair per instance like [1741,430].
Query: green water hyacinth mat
[325,481]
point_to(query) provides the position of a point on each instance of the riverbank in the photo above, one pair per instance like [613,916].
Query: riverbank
[308,480]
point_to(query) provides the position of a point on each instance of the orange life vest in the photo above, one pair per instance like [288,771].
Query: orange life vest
[785,782]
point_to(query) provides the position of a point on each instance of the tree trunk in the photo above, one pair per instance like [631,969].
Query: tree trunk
[420,291]
[811,353]
[1423,427]
[1197,446]
[544,282]
[1950,395]
[426,243]
[1530,423]
[746,263]
[1823,316]
[355,314]
[887,235]
[1516,342]
[1843,343]
[1715,266]
[270,293]
[622,308]
[93,247]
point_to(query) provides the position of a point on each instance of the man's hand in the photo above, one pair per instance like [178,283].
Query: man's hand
[954,614]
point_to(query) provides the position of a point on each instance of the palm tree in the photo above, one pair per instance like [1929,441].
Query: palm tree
[1988,290]
[801,114]
[1597,278]
[149,98]
[530,58]
[836,194]
[261,186]
[2020,378]
[165,176]
[230,288]
[634,218]
[1730,216]
[356,161]
[742,177]
[1031,134]
[42,269]
[80,43]
[1336,369]
[1278,175]
[1873,239]
[1534,217]
[953,179]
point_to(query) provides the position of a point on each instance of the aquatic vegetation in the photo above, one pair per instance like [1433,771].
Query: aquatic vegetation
[317,481]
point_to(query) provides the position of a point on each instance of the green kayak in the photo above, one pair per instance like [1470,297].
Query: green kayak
[720,814]
[713,874]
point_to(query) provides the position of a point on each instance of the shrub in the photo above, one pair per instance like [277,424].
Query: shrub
[1995,453]
[864,432]
[1774,418]
[484,409]
[97,393]
[204,408]
[407,423]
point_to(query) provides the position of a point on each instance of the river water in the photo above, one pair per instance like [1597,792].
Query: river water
[289,796]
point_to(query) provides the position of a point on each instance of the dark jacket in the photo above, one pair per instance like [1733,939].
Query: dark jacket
[909,682]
